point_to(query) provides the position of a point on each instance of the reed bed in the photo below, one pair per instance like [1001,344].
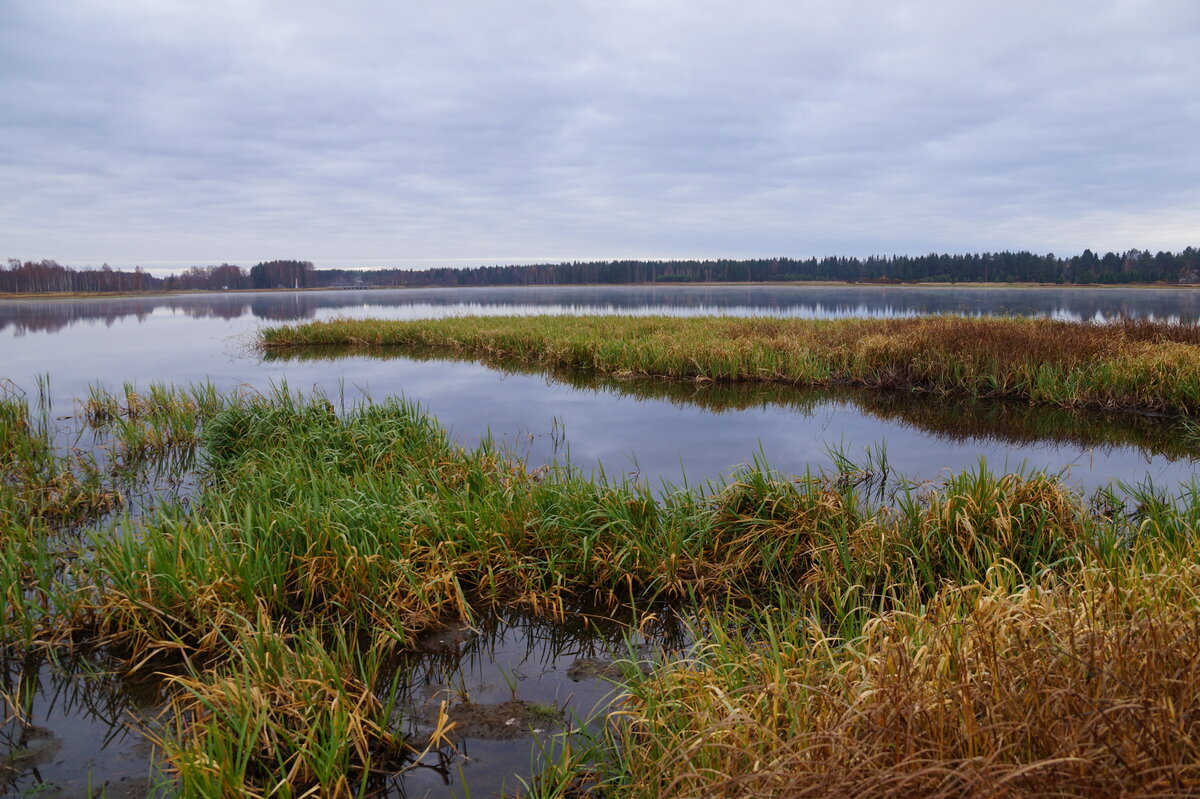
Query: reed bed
[377,519]
[1085,688]
[44,496]
[287,716]
[990,634]
[1129,365]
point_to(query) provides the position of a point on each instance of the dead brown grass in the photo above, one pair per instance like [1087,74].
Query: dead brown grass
[1086,689]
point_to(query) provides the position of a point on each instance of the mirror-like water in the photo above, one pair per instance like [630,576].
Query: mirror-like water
[657,436]
[512,684]
[68,732]
[49,316]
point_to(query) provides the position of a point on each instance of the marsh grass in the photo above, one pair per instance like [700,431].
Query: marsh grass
[987,634]
[953,417]
[157,428]
[1128,365]
[287,715]
[1084,688]
[36,481]
[45,495]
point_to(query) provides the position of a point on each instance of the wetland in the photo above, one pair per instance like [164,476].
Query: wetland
[448,565]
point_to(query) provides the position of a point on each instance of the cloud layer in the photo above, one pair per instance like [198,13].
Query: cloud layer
[389,133]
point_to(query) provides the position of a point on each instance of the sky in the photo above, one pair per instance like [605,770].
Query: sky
[364,133]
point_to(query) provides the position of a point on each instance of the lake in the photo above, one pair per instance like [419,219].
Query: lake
[653,432]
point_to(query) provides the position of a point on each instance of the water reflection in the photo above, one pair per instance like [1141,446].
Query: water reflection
[70,728]
[512,682]
[47,316]
[78,727]
[674,433]
[955,420]
[654,429]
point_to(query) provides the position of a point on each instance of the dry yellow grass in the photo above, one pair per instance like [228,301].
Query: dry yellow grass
[1084,689]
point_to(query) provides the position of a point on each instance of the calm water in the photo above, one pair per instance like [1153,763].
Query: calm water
[513,684]
[621,428]
[512,665]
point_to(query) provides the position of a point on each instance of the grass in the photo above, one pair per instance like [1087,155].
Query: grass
[45,495]
[39,483]
[1130,365]
[992,634]
[1081,689]
[953,418]
[286,716]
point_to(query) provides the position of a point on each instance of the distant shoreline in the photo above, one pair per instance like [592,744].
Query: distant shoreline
[79,295]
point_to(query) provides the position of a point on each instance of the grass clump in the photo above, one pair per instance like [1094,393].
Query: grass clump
[159,427]
[376,518]
[1081,689]
[1129,365]
[38,483]
[44,496]
[286,716]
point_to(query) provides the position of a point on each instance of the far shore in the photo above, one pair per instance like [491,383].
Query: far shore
[76,295]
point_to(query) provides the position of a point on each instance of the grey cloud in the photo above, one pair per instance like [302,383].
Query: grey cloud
[160,132]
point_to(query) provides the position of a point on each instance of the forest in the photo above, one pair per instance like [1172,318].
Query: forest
[1132,266]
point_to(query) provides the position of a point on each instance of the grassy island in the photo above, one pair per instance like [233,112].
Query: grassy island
[1131,365]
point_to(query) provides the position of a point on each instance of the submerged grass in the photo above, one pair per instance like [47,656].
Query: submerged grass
[158,427]
[988,635]
[286,716]
[1129,365]
[37,483]
[44,496]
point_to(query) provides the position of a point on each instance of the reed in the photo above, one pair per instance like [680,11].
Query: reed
[1080,688]
[159,427]
[1128,365]
[375,518]
[287,716]
[44,496]
[36,481]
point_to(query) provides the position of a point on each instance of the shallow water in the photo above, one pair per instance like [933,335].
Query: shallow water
[513,684]
[75,734]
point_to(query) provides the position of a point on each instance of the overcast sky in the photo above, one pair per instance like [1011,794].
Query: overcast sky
[397,133]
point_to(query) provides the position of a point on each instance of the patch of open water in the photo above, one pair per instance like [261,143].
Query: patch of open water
[512,684]
[197,338]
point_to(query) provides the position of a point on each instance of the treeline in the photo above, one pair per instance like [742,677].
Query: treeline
[46,276]
[1133,266]
[50,276]
[227,277]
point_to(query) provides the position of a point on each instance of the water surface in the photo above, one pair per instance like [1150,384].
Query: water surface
[655,435]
